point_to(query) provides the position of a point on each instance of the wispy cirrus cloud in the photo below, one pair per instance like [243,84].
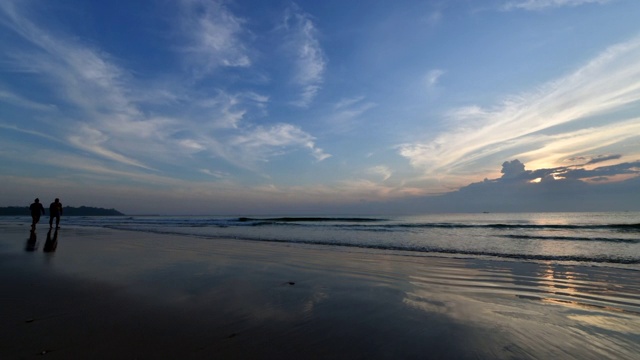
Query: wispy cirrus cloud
[434,18]
[382,171]
[93,140]
[214,36]
[346,113]
[215,174]
[227,110]
[103,110]
[84,81]
[307,54]
[17,100]
[76,69]
[558,148]
[433,76]
[557,121]
[263,142]
[545,4]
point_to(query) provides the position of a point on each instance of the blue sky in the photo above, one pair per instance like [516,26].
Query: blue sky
[245,107]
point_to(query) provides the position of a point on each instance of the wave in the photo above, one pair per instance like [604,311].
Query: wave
[348,223]
[309,219]
[379,223]
[602,259]
[572,238]
[628,227]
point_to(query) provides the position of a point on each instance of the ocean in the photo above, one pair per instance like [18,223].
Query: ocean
[610,239]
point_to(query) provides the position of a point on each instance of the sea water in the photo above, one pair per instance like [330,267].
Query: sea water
[600,239]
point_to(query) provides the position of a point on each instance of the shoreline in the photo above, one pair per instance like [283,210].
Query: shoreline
[106,293]
[587,242]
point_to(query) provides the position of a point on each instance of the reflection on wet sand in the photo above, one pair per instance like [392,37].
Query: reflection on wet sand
[243,299]
[537,306]
[596,290]
[32,241]
[52,242]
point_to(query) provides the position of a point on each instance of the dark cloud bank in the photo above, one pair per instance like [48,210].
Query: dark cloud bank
[571,188]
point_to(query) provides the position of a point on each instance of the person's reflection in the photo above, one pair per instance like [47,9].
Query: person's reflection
[52,242]
[32,242]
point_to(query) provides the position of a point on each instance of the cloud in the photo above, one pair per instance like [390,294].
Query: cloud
[32,132]
[515,171]
[216,174]
[346,113]
[574,188]
[545,4]
[224,110]
[75,69]
[382,171]
[105,111]
[603,158]
[91,140]
[263,142]
[222,130]
[535,125]
[512,169]
[11,98]
[433,76]
[87,84]
[348,102]
[604,172]
[309,58]
[214,36]
[191,145]
[433,18]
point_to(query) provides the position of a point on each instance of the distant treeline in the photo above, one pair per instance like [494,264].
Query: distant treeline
[66,211]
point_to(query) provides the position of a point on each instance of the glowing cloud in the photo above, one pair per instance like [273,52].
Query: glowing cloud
[532,123]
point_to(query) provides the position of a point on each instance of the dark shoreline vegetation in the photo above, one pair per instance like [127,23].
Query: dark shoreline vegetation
[67,211]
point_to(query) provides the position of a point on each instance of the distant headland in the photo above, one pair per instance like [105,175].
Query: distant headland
[66,211]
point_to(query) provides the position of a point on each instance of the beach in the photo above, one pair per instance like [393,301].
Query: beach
[102,293]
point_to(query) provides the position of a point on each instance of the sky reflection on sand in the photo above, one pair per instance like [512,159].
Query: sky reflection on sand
[325,300]
[545,309]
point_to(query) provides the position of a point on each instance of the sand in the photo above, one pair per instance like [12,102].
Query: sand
[104,294]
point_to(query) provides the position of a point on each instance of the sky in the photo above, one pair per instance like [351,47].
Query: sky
[321,107]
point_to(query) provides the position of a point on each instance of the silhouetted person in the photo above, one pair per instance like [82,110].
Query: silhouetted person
[55,210]
[52,243]
[36,210]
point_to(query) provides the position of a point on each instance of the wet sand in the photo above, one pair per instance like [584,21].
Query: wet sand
[104,294]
